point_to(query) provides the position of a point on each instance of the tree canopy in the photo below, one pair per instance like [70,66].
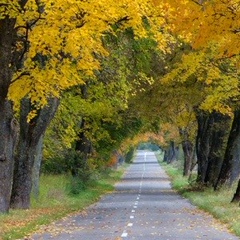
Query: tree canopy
[120,69]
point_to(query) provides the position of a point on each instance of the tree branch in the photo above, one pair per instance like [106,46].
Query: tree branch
[19,76]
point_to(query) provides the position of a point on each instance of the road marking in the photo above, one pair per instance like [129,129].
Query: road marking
[124,234]
[145,158]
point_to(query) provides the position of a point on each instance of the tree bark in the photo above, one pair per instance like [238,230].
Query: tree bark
[165,156]
[11,59]
[171,153]
[30,138]
[230,169]
[8,126]
[203,143]
[36,168]
[236,197]
[83,144]
[220,130]
[188,151]
[83,149]
[213,129]
[8,138]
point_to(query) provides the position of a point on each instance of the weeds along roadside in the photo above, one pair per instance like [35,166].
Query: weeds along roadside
[58,197]
[217,203]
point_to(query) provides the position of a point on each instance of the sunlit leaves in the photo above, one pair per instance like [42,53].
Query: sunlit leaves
[9,8]
[59,40]
[202,22]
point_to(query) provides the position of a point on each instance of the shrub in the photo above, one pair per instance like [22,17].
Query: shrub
[129,155]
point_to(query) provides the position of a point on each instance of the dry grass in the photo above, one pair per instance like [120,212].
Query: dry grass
[53,203]
[217,203]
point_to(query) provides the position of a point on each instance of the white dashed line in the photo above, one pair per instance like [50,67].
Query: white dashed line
[125,234]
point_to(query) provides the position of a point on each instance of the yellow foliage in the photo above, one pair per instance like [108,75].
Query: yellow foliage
[157,138]
[217,79]
[202,22]
[63,38]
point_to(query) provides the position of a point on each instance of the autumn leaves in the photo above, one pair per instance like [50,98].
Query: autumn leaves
[48,47]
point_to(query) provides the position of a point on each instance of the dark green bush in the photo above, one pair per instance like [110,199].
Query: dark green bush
[129,155]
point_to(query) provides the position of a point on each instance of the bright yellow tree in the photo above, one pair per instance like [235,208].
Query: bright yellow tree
[59,40]
[48,46]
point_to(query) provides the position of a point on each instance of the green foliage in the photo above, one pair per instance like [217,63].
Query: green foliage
[129,155]
[77,184]
[103,102]
[55,165]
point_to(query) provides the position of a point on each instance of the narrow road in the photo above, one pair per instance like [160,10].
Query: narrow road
[143,207]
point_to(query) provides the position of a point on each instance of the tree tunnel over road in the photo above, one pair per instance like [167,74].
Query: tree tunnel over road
[143,207]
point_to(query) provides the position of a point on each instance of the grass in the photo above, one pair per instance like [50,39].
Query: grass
[217,203]
[55,202]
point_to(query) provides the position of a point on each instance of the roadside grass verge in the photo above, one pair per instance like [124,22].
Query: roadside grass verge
[217,203]
[55,202]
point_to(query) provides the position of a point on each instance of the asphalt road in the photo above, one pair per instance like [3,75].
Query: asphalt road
[143,207]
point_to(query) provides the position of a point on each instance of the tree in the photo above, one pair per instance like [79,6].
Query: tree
[213,131]
[29,139]
[8,125]
[206,23]
[218,40]
[100,109]
[48,46]
[231,163]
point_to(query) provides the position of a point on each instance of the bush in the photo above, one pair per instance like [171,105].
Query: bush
[129,155]
[76,186]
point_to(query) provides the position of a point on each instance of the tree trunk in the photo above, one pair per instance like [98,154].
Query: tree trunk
[203,143]
[83,150]
[8,138]
[8,126]
[171,153]
[231,163]
[83,144]
[236,197]
[30,136]
[220,131]
[165,156]
[83,147]
[36,168]
[188,151]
